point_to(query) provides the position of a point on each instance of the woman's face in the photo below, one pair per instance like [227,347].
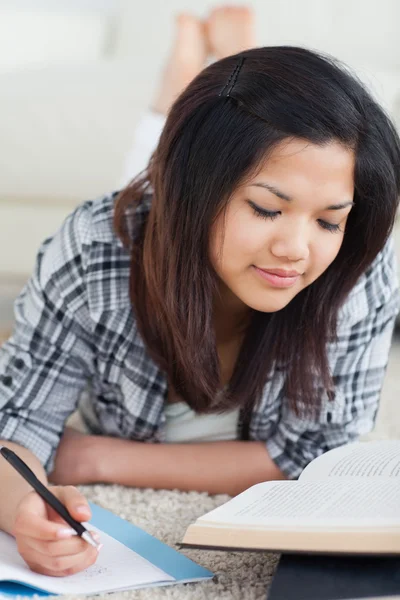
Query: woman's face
[284,227]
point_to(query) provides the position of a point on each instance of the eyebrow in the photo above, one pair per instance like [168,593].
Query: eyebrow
[288,198]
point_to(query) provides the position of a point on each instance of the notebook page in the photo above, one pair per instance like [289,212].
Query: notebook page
[116,568]
[376,460]
[320,504]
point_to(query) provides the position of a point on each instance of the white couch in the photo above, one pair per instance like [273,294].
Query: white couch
[70,100]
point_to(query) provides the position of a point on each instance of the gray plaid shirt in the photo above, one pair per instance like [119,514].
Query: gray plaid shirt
[75,330]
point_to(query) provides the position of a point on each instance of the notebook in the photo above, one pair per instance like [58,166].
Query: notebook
[129,559]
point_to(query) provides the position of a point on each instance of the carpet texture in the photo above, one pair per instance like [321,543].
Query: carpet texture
[166,514]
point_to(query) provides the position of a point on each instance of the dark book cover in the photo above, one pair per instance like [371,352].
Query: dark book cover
[334,577]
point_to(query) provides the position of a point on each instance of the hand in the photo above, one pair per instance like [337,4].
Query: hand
[229,30]
[76,459]
[46,542]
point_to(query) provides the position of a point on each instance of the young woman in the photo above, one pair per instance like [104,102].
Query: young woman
[246,275]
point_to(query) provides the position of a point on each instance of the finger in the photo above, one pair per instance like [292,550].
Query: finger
[59,565]
[69,547]
[33,526]
[75,502]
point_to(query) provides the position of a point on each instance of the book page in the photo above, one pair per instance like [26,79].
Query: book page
[116,568]
[378,460]
[321,504]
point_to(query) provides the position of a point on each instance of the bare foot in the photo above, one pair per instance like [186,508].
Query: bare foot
[186,60]
[230,29]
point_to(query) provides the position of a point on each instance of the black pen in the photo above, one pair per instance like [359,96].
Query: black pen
[45,493]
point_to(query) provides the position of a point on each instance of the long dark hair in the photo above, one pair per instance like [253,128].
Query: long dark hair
[209,144]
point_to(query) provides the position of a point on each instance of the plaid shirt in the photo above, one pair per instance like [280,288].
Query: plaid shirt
[75,330]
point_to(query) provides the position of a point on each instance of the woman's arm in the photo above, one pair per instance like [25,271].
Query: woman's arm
[47,362]
[213,467]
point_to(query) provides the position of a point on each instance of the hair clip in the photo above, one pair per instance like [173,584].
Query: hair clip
[228,87]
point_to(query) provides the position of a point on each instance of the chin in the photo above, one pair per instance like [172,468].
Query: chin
[271,305]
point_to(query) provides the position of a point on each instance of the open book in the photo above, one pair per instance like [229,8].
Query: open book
[345,501]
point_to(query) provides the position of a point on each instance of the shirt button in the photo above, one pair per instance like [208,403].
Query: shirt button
[7,380]
[19,363]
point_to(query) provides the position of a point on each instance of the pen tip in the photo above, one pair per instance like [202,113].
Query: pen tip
[90,540]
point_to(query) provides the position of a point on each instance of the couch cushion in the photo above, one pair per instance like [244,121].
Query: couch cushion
[37,38]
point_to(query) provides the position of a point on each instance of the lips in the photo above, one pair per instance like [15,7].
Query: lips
[278,278]
[281,272]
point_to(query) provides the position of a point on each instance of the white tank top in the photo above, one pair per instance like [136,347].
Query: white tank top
[184,425]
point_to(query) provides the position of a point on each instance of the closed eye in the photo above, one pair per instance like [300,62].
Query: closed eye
[264,214]
[332,227]
[273,214]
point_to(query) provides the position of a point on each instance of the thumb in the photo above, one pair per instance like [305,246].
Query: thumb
[75,503]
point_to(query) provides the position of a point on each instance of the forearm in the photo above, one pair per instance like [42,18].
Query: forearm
[214,467]
[13,486]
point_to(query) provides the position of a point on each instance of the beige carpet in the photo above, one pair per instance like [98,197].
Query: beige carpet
[166,514]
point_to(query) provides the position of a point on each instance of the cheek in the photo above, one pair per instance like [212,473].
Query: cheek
[324,252]
[241,242]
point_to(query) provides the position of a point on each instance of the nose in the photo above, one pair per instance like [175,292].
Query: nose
[291,242]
